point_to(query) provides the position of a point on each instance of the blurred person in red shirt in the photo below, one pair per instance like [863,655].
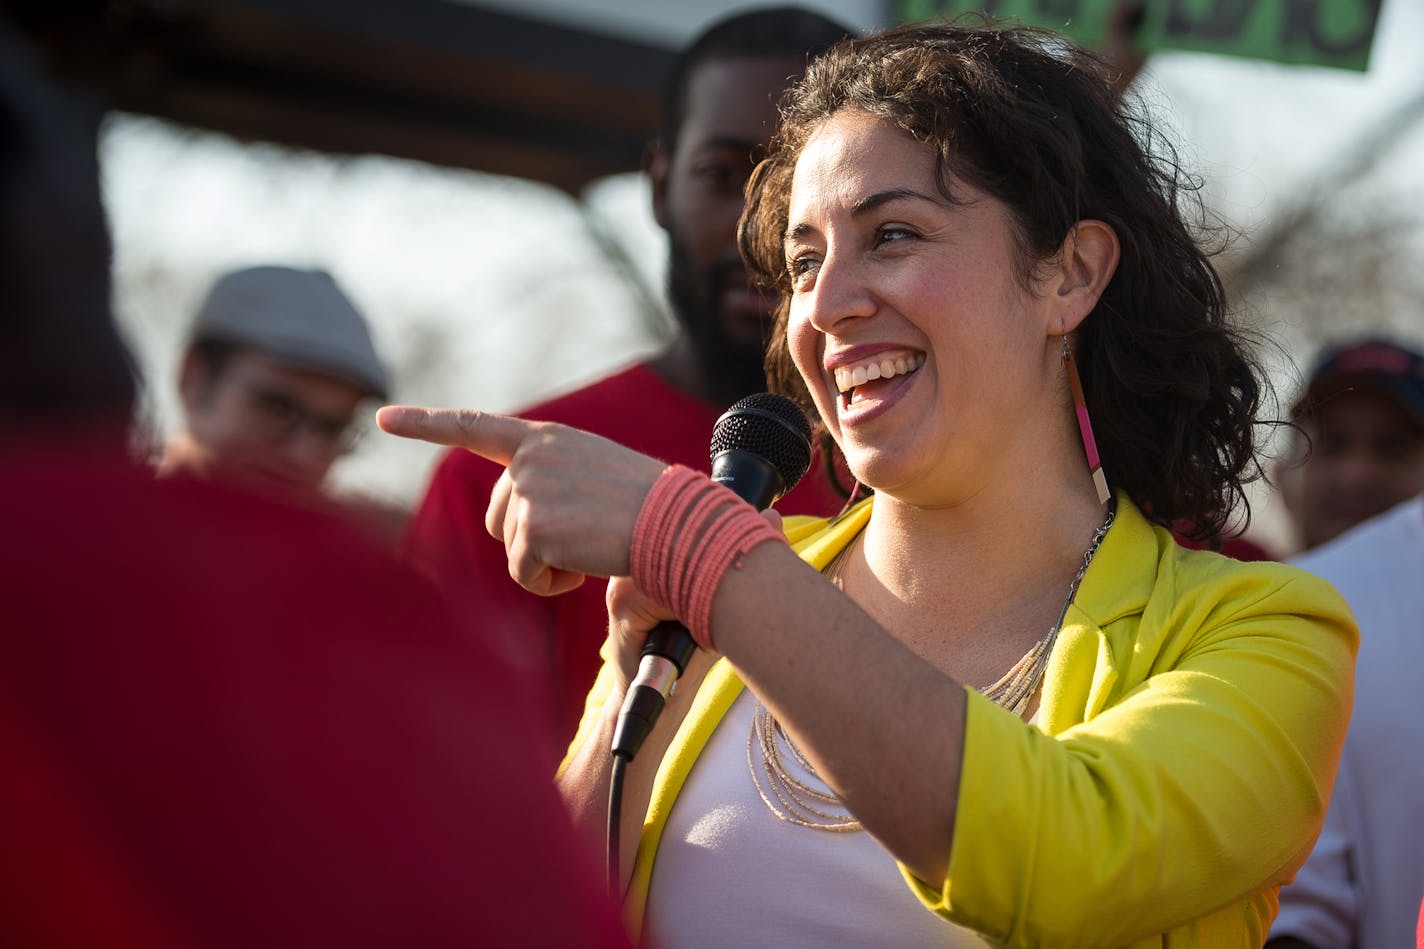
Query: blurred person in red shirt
[226,721]
[719,110]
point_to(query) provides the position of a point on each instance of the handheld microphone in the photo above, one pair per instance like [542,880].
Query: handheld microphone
[761,447]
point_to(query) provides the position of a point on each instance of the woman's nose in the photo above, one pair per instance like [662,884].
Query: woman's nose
[841,292]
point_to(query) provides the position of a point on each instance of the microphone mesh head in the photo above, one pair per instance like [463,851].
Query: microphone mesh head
[768,426]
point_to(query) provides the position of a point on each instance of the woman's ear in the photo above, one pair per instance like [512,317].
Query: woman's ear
[1087,262]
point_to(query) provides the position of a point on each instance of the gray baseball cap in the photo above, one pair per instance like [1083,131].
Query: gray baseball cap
[296,316]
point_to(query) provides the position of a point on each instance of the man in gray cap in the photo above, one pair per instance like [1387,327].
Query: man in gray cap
[277,363]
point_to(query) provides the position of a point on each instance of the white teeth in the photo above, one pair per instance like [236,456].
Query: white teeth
[848,377]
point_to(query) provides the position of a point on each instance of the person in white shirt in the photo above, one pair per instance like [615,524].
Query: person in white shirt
[1364,881]
[1362,411]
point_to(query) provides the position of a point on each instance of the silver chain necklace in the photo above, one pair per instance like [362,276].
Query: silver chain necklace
[806,805]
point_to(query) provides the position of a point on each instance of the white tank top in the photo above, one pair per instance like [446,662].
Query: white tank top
[729,872]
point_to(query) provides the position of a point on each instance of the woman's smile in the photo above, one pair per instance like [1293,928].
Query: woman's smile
[874,378]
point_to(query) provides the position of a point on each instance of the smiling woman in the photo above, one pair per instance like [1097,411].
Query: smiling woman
[995,701]
[885,268]
[1068,171]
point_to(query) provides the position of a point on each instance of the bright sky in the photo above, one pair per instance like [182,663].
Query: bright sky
[492,292]
[1263,131]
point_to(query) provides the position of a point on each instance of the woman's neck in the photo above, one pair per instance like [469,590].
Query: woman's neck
[1002,560]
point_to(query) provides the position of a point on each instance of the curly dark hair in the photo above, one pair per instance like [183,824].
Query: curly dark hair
[1027,118]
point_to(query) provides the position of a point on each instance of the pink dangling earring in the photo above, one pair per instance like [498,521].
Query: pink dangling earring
[850,502]
[1085,427]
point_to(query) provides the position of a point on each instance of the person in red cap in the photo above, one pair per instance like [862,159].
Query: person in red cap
[1359,501]
[1362,413]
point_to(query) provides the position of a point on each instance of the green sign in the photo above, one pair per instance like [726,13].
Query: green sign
[1315,32]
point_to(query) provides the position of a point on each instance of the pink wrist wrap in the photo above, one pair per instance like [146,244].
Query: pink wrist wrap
[689,531]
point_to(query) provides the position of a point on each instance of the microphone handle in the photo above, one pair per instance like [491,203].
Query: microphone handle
[664,658]
[672,640]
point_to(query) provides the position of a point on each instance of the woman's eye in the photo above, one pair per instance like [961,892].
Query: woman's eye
[891,233]
[801,267]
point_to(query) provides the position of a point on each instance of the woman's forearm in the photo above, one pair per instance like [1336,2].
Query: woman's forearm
[883,728]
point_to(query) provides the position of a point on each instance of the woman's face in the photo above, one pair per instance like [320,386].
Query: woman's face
[930,362]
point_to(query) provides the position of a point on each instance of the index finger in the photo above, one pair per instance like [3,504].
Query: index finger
[488,435]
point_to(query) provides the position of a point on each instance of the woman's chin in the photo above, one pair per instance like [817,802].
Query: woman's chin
[884,471]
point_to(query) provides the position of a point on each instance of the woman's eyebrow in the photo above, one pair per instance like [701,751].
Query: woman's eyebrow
[867,204]
[796,232]
[872,201]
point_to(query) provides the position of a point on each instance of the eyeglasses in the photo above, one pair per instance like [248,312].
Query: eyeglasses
[283,416]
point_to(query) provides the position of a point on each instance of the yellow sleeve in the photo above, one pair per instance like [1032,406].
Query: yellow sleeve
[593,704]
[1197,788]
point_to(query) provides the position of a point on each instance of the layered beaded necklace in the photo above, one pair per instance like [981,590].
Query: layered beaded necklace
[797,802]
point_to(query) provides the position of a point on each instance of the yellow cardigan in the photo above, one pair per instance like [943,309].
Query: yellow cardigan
[1188,731]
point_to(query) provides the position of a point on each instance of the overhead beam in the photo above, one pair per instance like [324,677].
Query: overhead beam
[425,79]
